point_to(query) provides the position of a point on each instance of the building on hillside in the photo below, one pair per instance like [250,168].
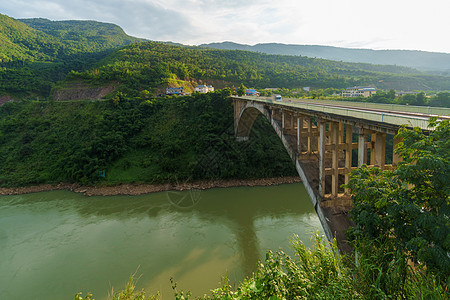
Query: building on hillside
[174,91]
[204,88]
[359,91]
[251,92]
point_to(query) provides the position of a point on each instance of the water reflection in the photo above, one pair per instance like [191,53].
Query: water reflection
[75,243]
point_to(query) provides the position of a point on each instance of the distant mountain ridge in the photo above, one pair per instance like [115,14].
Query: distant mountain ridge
[422,60]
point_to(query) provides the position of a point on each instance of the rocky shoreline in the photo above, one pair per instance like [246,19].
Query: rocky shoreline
[139,189]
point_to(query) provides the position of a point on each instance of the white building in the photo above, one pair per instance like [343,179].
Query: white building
[359,91]
[204,88]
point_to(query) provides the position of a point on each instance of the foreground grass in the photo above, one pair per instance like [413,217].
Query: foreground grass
[317,273]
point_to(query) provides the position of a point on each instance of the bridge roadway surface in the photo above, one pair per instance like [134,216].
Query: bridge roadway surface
[394,114]
[388,116]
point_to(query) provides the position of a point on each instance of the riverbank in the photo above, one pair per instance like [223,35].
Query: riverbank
[139,189]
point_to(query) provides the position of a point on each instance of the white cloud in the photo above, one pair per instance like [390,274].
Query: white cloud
[382,24]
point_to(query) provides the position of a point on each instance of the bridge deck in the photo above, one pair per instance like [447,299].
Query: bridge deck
[414,116]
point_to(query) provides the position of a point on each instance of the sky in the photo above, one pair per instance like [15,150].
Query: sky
[382,24]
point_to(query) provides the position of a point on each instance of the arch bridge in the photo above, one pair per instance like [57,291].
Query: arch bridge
[326,140]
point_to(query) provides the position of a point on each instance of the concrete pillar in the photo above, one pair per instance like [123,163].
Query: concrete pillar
[334,158]
[362,147]
[309,151]
[396,158]
[341,133]
[299,133]
[373,142]
[380,150]
[282,119]
[322,158]
[348,153]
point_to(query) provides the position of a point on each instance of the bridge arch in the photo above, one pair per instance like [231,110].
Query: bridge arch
[246,112]
[247,117]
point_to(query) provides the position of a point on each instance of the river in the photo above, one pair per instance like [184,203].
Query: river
[55,244]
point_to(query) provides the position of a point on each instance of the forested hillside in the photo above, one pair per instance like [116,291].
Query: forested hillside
[34,57]
[83,36]
[133,140]
[148,65]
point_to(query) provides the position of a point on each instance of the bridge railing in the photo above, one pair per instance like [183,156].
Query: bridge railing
[438,111]
[389,116]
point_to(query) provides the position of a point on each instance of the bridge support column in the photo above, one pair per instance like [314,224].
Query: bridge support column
[362,147]
[309,150]
[371,146]
[334,158]
[299,134]
[380,150]
[322,128]
[348,153]
[396,158]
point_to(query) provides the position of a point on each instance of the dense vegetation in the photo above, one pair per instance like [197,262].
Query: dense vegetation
[132,140]
[148,65]
[34,57]
[407,210]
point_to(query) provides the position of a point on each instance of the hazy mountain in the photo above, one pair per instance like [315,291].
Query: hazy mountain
[427,61]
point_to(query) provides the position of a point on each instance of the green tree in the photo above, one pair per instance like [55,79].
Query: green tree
[241,90]
[409,208]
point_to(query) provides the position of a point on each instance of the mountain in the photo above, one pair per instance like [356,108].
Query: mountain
[84,35]
[36,53]
[44,40]
[426,61]
[20,42]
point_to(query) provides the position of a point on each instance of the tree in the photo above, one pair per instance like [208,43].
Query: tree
[409,207]
[241,90]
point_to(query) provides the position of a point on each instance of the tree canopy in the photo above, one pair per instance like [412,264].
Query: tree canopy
[409,208]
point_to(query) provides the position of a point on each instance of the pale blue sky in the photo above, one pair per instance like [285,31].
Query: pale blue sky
[382,24]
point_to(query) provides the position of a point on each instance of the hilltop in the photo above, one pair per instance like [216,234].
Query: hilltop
[31,40]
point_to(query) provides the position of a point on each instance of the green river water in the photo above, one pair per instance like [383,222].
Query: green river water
[55,244]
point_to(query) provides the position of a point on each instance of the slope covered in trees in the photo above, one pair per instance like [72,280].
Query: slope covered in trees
[36,53]
[133,140]
[83,36]
[151,64]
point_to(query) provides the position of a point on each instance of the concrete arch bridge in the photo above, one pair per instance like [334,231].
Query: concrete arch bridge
[326,140]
